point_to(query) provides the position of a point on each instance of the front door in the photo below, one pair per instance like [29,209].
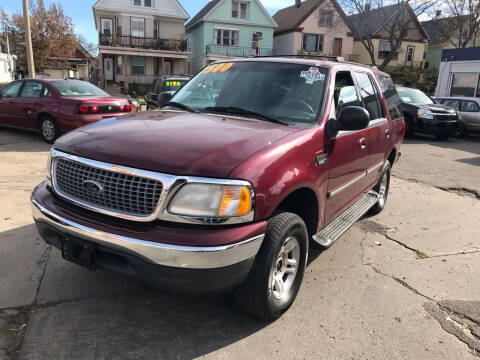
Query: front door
[337,46]
[410,55]
[10,114]
[108,68]
[30,103]
[347,153]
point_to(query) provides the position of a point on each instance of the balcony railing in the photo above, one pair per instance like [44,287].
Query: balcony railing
[143,42]
[235,51]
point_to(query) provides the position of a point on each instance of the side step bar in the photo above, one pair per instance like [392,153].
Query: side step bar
[336,228]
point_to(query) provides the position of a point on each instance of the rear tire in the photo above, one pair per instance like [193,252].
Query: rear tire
[382,188]
[49,129]
[276,276]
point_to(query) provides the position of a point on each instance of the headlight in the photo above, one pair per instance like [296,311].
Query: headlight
[425,114]
[212,201]
[48,170]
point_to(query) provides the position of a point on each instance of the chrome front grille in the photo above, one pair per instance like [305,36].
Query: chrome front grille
[97,188]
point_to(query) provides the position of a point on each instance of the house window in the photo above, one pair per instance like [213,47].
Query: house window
[148,3]
[119,65]
[225,37]
[326,18]
[239,10]
[137,2]
[313,43]
[118,22]
[156,29]
[138,65]
[138,27]
[385,49]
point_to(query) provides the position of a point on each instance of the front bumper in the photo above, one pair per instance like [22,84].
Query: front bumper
[450,127]
[173,266]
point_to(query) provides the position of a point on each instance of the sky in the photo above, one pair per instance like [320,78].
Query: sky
[82,15]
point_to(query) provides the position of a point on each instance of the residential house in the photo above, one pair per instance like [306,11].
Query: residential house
[77,66]
[140,39]
[373,24]
[315,27]
[227,29]
[441,37]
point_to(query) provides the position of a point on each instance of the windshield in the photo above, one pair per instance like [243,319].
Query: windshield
[283,92]
[173,85]
[413,96]
[77,88]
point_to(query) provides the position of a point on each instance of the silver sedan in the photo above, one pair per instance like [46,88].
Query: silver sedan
[468,108]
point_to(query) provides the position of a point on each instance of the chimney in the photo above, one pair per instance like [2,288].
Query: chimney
[298,3]
[368,6]
[438,13]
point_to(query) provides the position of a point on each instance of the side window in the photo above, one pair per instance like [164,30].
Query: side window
[345,91]
[11,90]
[469,106]
[452,103]
[46,92]
[369,95]
[32,89]
[393,100]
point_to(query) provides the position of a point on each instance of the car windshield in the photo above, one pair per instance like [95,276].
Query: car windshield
[413,96]
[77,88]
[173,85]
[270,91]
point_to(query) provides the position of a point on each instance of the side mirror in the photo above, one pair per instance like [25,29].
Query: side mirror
[163,98]
[353,118]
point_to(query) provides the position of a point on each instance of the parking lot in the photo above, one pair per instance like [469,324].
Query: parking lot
[401,285]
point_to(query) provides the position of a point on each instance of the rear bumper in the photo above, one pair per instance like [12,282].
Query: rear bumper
[72,122]
[176,267]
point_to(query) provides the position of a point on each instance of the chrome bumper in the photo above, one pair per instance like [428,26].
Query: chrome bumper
[156,253]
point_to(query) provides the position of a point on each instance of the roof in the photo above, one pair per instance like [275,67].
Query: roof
[291,18]
[437,29]
[202,13]
[369,22]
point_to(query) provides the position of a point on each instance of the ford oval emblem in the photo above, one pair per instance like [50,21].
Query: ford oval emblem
[92,187]
[110,108]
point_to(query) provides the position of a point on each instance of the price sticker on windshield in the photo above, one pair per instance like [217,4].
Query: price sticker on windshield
[219,68]
[313,74]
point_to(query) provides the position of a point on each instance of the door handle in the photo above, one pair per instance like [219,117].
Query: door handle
[362,143]
[387,134]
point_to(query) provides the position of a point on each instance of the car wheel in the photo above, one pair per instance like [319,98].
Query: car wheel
[276,276]
[382,188]
[49,129]
[442,137]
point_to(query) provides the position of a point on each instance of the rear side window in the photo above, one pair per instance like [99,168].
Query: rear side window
[390,92]
[469,106]
[11,91]
[369,95]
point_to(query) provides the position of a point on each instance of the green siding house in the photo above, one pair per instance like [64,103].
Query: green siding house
[225,29]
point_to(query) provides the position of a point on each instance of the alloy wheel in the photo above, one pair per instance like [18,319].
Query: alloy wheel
[285,268]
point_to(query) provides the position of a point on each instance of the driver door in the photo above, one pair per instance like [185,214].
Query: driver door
[347,152]
[9,112]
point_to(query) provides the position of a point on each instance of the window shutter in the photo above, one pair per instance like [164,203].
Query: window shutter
[304,42]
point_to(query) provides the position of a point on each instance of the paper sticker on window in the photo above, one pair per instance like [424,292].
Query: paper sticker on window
[219,68]
[313,74]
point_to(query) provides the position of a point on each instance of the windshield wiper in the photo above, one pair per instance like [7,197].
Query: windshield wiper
[181,106]
[235,110]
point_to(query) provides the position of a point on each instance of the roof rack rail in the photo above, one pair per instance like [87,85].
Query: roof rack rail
[305,56]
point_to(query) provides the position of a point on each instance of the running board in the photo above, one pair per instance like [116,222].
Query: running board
[330,233]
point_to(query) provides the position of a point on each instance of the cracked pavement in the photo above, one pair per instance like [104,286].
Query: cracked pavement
[400,285]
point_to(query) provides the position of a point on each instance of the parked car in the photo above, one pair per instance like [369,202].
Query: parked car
[54,107]
[469,110]
[424,115]
[163,89]
[226,191]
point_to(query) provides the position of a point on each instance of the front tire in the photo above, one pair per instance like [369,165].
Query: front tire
[382,188]
[409,127]
[49,129]
[276,276]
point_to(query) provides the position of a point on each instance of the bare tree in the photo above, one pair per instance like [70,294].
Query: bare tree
[53,37]
[460,26]
[393,22]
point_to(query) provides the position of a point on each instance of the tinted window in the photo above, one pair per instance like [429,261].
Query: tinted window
[32,89]
[369,95]
[469,106]
[77,88]
[12,89]
[393,100]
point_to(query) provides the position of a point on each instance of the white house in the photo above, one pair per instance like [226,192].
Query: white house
[7,67]
[140,39]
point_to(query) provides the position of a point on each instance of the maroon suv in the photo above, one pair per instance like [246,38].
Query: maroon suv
[225,186]
[53,106]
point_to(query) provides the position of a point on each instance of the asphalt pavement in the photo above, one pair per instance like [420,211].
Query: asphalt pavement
[400,285]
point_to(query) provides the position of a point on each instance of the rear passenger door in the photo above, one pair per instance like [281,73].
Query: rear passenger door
[378,132]
[470,112]
[30,103]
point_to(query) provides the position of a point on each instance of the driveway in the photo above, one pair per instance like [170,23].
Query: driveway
[401,285]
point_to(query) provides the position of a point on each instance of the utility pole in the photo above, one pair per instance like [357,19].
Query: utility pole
[28,39]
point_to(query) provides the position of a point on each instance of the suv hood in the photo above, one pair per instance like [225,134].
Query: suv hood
[173,142]
[437,108]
